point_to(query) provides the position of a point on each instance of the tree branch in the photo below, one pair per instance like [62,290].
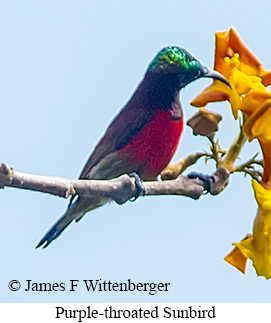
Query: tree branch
[120,189]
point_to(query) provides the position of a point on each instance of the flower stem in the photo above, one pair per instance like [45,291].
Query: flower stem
[233,152]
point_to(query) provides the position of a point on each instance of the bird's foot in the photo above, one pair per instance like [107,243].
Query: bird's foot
[206,179]
[140,190]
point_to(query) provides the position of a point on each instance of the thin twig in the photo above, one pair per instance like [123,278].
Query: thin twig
[172,171]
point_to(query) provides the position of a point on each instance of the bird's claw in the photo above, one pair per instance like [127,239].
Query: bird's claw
[140,190]
[206,179]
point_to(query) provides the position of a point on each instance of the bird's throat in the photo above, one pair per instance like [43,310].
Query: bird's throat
[159,91]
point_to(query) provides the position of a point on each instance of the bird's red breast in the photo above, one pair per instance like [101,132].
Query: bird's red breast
[155,145]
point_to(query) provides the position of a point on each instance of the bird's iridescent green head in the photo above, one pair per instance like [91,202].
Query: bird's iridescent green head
[176,60]
[171,59]
[179,62]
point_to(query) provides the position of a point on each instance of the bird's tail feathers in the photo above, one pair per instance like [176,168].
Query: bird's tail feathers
[56,229]
[75,211]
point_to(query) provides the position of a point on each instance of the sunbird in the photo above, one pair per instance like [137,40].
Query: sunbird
[144,136]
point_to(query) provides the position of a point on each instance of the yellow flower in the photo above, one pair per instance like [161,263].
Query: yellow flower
[242,69]
[248,93]
[258,123]
[256,247]
[258,108]
[228,44]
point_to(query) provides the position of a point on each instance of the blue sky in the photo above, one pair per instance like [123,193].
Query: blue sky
[66,68]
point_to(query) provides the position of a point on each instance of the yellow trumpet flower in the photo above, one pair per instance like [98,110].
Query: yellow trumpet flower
[250,96]
[256,247]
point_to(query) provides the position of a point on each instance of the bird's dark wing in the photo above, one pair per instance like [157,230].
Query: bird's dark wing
[126,125]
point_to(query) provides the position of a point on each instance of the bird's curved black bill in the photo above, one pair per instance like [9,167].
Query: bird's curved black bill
[216,76]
